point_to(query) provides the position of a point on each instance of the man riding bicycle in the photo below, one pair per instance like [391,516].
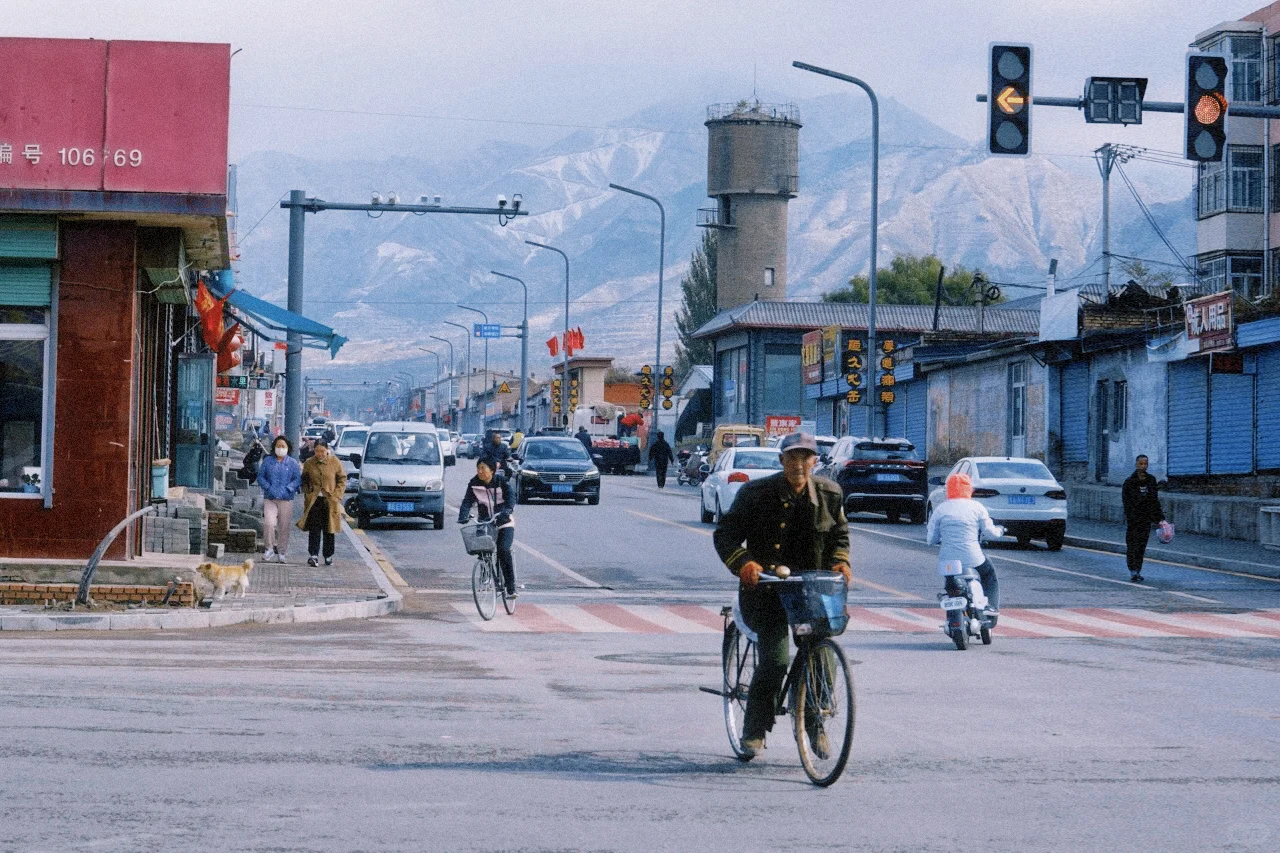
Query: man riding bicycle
[489,491]
[789,519]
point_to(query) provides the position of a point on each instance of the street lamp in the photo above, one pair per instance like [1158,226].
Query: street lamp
[524,350]
[875,224]
[487,380]
[564,373]
[662,251]
[452,396]
[409,394]
[437,382]
[467,405]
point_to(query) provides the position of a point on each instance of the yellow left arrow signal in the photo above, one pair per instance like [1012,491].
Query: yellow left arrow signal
[1010,100]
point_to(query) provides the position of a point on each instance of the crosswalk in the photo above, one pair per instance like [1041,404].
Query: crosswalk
[1056,623]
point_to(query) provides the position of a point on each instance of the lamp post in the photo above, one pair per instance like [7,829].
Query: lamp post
[524,350]
[453,398]
[662,251]
[487,381]
[875,224]
[564,373]
[412,382]
[437,382]
[467,399]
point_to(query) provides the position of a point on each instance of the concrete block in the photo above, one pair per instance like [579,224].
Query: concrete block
[270,615]
[27,622]
[215,551]
[242,541]
[179,620]
[136,621]
[87,622]
[222,618]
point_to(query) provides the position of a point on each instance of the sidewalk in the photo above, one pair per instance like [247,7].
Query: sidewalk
[1211,552]
[354,587]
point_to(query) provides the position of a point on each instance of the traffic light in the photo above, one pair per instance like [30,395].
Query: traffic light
[1206,109]
[1114,100]
[1009,100]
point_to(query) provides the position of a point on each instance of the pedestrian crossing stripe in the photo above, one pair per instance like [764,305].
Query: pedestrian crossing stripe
[1055,623]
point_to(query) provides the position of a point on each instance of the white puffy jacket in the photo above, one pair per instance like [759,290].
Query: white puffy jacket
[957,525]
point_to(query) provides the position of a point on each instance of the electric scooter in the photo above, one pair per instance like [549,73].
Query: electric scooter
[965,604]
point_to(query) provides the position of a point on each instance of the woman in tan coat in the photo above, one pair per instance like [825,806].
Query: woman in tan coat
[323,485]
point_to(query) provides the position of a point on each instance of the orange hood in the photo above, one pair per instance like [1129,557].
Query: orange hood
[959,486]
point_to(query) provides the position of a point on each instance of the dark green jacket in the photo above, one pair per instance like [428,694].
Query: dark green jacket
[759,513]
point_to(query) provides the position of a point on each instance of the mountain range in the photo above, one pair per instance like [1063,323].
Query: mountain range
[388,284]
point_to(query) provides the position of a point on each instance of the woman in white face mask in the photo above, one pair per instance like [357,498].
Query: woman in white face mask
[280,478]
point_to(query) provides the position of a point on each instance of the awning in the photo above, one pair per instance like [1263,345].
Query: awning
[258,314]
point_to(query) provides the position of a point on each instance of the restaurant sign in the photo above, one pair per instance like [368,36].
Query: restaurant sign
[1209,321]
[811,357]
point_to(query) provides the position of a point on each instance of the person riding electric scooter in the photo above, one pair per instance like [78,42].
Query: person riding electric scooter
[958,526]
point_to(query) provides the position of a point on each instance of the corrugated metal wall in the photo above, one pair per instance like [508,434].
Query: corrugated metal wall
[1267,408]
[1188,426]
[1230,424]
[1075,412]
[917,409]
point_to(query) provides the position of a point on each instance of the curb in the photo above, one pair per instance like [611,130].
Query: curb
[390,601]
[1202,560]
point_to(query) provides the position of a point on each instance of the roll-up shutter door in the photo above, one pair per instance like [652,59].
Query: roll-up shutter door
[1188,426]
[895,421]
[1230,424]
[917,408]
[1075,412]
[1267,408]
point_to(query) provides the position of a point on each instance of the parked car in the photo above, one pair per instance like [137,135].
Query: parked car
[401,473]
[446,447]
[351,441]
[1020,494]
[879,475]
[734,435]
[736,465]
[555,467]
[469,446]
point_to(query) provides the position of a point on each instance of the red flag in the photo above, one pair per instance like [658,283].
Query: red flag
[211,325]
[229,349]
[553,344]
[579,341]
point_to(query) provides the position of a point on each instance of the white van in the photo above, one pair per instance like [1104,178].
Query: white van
[350,441]
[401,473]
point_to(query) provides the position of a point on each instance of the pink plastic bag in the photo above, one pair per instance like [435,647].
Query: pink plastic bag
[1164,533]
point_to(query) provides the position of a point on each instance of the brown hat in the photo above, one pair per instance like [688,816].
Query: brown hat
[798,441]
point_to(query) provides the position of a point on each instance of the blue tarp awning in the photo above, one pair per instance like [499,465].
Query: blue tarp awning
[273,317]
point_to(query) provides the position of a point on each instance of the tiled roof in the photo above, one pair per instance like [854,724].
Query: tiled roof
[889,318]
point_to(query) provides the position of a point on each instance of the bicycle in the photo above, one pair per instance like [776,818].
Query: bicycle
[486,577]
[818,689]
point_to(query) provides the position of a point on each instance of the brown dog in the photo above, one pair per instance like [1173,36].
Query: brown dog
[223,577]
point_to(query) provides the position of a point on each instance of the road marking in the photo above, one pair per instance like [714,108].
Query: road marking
[381,559]
[1088,623]
[681,524]
[896,593]
[559,567]
[1150,559]
[997,556]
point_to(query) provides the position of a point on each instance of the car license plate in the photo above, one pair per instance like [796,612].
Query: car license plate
[399,506]
[888,478]
[561,488]
[957,603]
[1022,499]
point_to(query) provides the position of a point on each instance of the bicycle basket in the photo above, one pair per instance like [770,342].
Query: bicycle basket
[478,538]
[815,606]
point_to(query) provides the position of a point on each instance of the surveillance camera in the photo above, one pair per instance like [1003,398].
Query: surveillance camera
[516,198]
[377,198]
[435,200]
[502,202]
[392,198]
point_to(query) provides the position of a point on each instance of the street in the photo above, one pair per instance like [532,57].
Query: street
[1105,716]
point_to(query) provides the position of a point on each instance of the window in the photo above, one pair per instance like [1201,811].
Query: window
[768,276]
[1211,189]
[1244,57]
[1018,399]
[24,334]
[1119,405]
[782,388]
[1241,273]
[732,377]
[726,211]
[1213,275]
[1246,178]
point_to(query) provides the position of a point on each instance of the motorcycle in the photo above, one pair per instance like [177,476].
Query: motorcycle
[689,468]
[965,604]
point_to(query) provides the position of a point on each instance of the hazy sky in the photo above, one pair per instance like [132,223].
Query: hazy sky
[336,79]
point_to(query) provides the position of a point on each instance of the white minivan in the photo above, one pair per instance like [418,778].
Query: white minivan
[401,473]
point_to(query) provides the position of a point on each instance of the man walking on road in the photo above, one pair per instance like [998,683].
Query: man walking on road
[788,519]
[660,454]
[1141,510]
[583,436]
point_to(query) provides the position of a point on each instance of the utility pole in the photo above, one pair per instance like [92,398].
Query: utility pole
[662,252]
[467,405]
[488,382]
[1106,157]
[564,373]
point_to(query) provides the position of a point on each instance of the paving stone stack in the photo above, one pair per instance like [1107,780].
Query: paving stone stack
[165,534]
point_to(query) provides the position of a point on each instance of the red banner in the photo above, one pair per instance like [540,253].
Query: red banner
[210,309]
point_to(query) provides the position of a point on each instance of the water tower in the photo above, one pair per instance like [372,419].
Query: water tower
[753,164]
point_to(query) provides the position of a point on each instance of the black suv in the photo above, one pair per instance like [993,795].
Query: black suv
[880,475]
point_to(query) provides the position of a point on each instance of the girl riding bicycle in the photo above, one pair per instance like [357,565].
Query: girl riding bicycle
[489,491]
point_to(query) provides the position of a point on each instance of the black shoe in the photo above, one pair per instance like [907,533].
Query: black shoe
[313,561]
[511,593]
[328,561]
[1135,577]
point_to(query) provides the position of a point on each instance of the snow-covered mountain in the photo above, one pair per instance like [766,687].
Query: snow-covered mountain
[388,284]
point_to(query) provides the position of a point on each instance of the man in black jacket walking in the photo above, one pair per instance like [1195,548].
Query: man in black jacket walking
[660,455]
[1141,510]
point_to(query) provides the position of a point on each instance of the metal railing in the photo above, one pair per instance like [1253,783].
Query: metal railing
[753,110]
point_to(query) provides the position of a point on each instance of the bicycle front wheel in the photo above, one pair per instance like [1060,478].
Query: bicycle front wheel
[824,710]
[738,658]
[484,587]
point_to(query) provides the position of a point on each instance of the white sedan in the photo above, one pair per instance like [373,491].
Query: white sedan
[1020,495]
[735,467]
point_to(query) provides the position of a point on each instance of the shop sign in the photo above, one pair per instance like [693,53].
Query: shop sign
[781,424]
[830,352]
[811,357]
[123,116]
[265,402]
[226,396]
[1209,320]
